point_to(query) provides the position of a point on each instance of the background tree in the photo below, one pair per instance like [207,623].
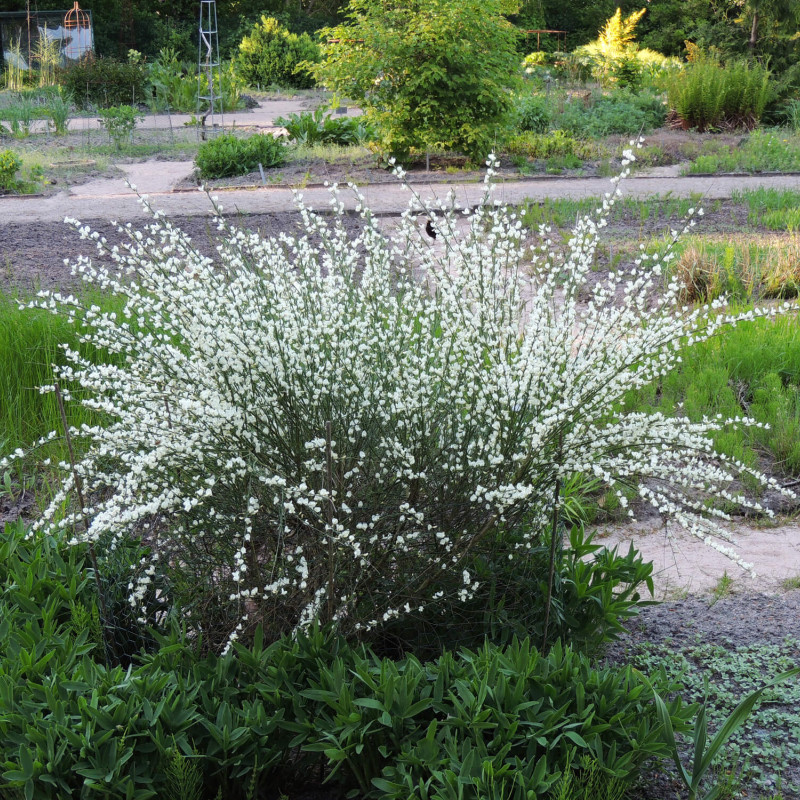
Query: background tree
[429,73]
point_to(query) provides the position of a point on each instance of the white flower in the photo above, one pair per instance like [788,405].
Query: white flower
[325,426]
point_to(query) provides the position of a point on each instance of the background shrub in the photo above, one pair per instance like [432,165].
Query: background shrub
[532,112]
[226,155]
[707,93]
[431,74]
[10,163]
[617,112]
[271,55]
[174,85]
[104,82]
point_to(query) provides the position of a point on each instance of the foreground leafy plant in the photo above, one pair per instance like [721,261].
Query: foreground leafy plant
[307,431]
[78,721]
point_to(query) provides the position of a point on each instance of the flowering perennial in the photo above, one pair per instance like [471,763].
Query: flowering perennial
[326,426]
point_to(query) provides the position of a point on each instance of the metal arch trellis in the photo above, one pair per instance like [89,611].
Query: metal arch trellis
[210,67]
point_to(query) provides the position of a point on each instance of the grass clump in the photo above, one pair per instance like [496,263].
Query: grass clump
[775,209]
[742,268]
[226,155]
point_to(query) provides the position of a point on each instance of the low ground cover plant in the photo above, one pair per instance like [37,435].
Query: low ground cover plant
[764,737]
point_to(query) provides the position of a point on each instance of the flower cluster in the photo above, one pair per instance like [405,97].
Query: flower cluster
[330,426]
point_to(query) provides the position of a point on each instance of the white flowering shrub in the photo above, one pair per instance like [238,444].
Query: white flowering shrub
[329,427]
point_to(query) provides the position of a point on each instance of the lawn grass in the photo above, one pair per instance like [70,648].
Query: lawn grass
[752,369]
[765,150]
[774,209]
[563,212]
[29,345]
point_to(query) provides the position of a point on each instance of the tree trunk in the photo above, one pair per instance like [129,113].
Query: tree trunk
[754,31]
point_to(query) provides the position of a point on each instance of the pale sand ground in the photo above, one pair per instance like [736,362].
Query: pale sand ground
[682,563]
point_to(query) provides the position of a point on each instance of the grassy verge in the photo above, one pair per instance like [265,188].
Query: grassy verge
[30,343]
[753,369]
[765,150]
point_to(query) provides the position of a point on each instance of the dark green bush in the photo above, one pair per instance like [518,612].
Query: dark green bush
[272,55]
[594,590]
[317,128]
[105,82]
[74,723]
[532,112]
[617,112]
[226,155]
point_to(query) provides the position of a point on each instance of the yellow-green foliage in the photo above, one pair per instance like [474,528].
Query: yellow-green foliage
[615,46]
[617,35]
[10,162]
[548,145]
[273,55]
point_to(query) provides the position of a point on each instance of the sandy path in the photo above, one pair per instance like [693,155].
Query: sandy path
[112,199]
[683,564]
